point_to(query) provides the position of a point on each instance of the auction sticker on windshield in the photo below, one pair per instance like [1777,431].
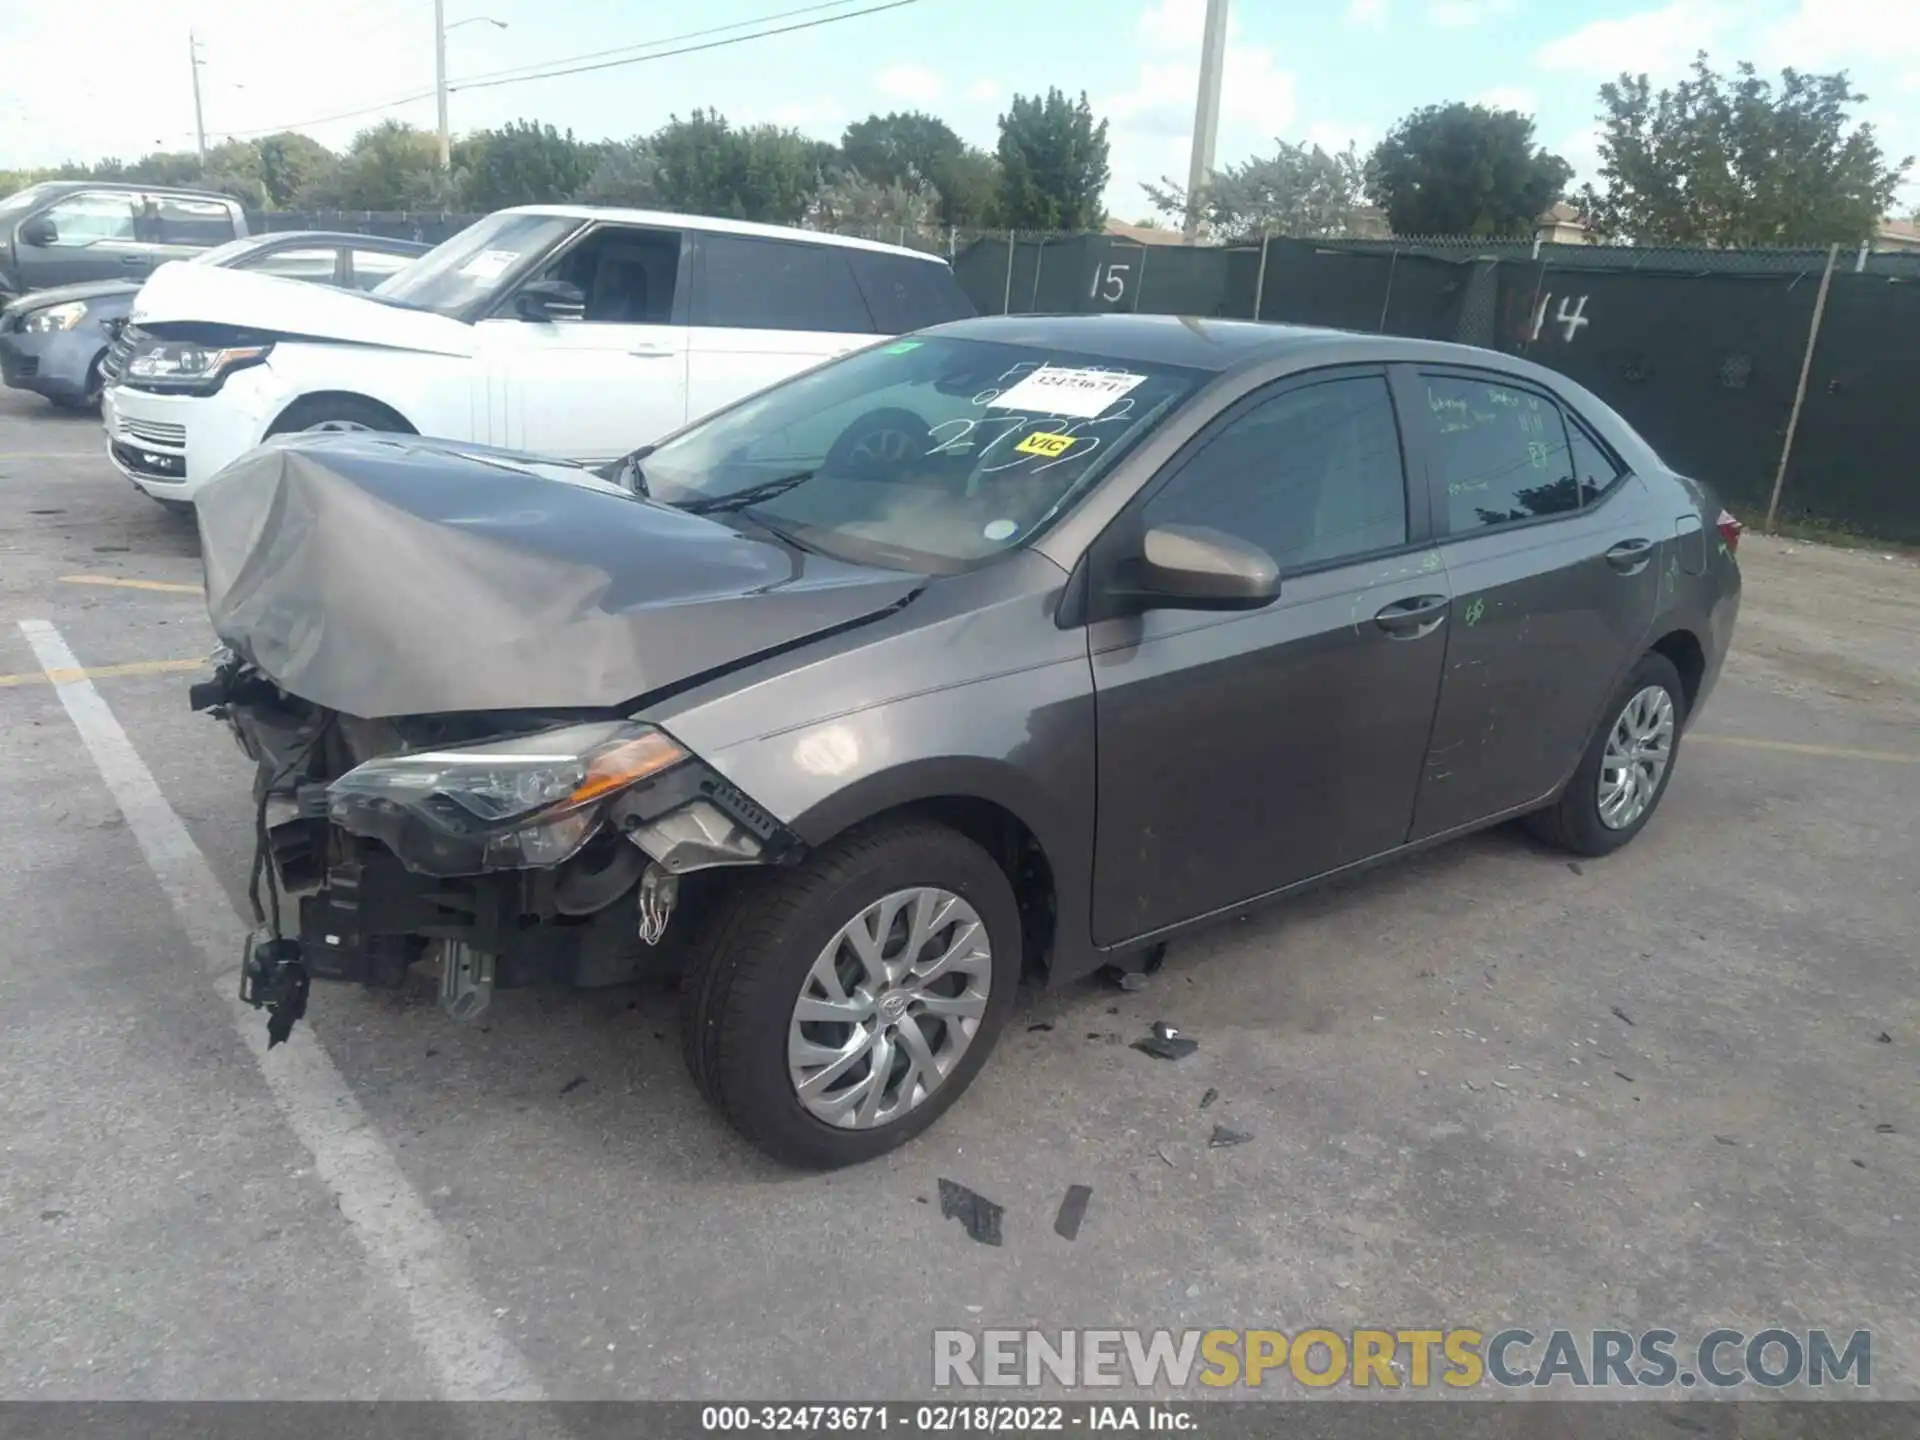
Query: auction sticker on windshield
[489,264]
[1059,390]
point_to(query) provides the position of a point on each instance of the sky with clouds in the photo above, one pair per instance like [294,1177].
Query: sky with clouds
[88,78]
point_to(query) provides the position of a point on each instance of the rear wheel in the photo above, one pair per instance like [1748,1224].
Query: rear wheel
[842,1005]
[338,413]
[1625,771]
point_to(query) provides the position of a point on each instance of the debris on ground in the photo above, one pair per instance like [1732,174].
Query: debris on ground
[1073,1210]
[573,1084]
[1883,1128]
[1208,1098]
[1222,1137]
[1884,1038]
[1861,1163]
[1576,867]
[1164,1156]
[977,1215]
[1131,980]
[1040,1025]
[1166,1043]
[1626,1077]
[1725,1140]
[1622,1015]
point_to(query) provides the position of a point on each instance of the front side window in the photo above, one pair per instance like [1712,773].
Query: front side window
[930,455]
[182,221]
[458,276]
[1502,451]
[372,267]
[752,284]
[314,263]
[626,275]
[1312,476]
[87,219]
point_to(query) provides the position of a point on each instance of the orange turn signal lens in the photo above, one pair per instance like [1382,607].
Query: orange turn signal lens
[627,763]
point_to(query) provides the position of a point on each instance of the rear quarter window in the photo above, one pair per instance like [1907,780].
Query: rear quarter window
[747,283]
[906,294]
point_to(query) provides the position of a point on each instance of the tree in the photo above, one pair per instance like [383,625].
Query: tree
[289,163]
[522,163]
[765,173]
[905,148]
[1300,190]
[1053,164]
[1464,170]
[624,173]
[968,183]
[390,166]
[853,203]
[1713,162]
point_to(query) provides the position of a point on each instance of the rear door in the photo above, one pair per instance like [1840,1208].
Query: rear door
[766,309]
[906,293]
[1239,753]
[598,387]
[181,226]
[1553,554]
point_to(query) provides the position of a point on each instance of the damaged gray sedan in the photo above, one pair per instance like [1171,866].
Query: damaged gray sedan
[1001,652]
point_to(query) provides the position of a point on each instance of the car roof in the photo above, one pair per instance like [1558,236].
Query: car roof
[332,237]
[136,187]
[1218,345]
[672,220]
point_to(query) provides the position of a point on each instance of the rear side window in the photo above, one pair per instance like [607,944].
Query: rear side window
[181,221]
[1503,452]
[1593,467]
[304,264]
[753,284]
[906,294]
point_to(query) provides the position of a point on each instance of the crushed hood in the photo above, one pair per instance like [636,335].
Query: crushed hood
[385,575]
[275,305]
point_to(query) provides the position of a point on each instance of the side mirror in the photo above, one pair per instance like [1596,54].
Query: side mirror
[550,300]
[38,231]
[1192,567]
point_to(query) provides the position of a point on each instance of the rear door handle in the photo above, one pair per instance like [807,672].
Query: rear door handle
[134,262]
[1413,617]
[652,352]
[1629,557]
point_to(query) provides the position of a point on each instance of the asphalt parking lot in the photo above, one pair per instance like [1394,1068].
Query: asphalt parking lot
[1678,1087]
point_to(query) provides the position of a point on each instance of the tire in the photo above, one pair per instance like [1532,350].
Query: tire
[180,508]
[877,441]
[739,999]
[1575,821]
[338,412]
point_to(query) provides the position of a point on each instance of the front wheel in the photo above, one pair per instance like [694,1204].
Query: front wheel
[845,1003]
[1625,771]
[325,413]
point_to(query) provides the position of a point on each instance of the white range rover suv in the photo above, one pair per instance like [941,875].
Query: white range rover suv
[572,331]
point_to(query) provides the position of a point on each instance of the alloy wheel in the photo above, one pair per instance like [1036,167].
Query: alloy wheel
[1639,748]
[337,425]
[889,1007]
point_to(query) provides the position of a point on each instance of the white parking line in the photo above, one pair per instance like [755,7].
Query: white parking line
[472,1359]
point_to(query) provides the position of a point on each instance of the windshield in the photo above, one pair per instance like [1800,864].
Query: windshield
[456,273]
[23,199]
[934,454]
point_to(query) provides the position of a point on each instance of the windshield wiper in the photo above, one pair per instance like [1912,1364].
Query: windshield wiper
[752,495]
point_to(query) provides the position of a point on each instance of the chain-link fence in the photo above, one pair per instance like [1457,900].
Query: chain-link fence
[1702,350]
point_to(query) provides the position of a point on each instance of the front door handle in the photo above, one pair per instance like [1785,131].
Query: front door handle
[134,262]
[1413,617]
[645,353]
[1630,557]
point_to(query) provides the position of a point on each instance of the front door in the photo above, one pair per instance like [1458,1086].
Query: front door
[1554,557]
[766,309]
[1238,753]
[93,238]
[600,386]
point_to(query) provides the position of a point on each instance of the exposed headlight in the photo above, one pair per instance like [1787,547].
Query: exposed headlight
[187,365]
[54,317]
[520,804]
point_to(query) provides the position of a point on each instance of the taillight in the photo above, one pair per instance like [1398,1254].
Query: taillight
[1730,530]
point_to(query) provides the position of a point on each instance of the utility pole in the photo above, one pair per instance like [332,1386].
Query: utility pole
[440,80]
[1206,113]
[199,122]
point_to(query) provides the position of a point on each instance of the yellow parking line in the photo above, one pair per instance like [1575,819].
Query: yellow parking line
[1794,747]
[98,672]
[167,585]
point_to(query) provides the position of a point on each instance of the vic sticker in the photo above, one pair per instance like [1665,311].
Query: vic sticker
[1060,390]
[1045,443]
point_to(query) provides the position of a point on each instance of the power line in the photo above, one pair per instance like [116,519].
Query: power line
[686,49]
[329,119]
[604,54]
